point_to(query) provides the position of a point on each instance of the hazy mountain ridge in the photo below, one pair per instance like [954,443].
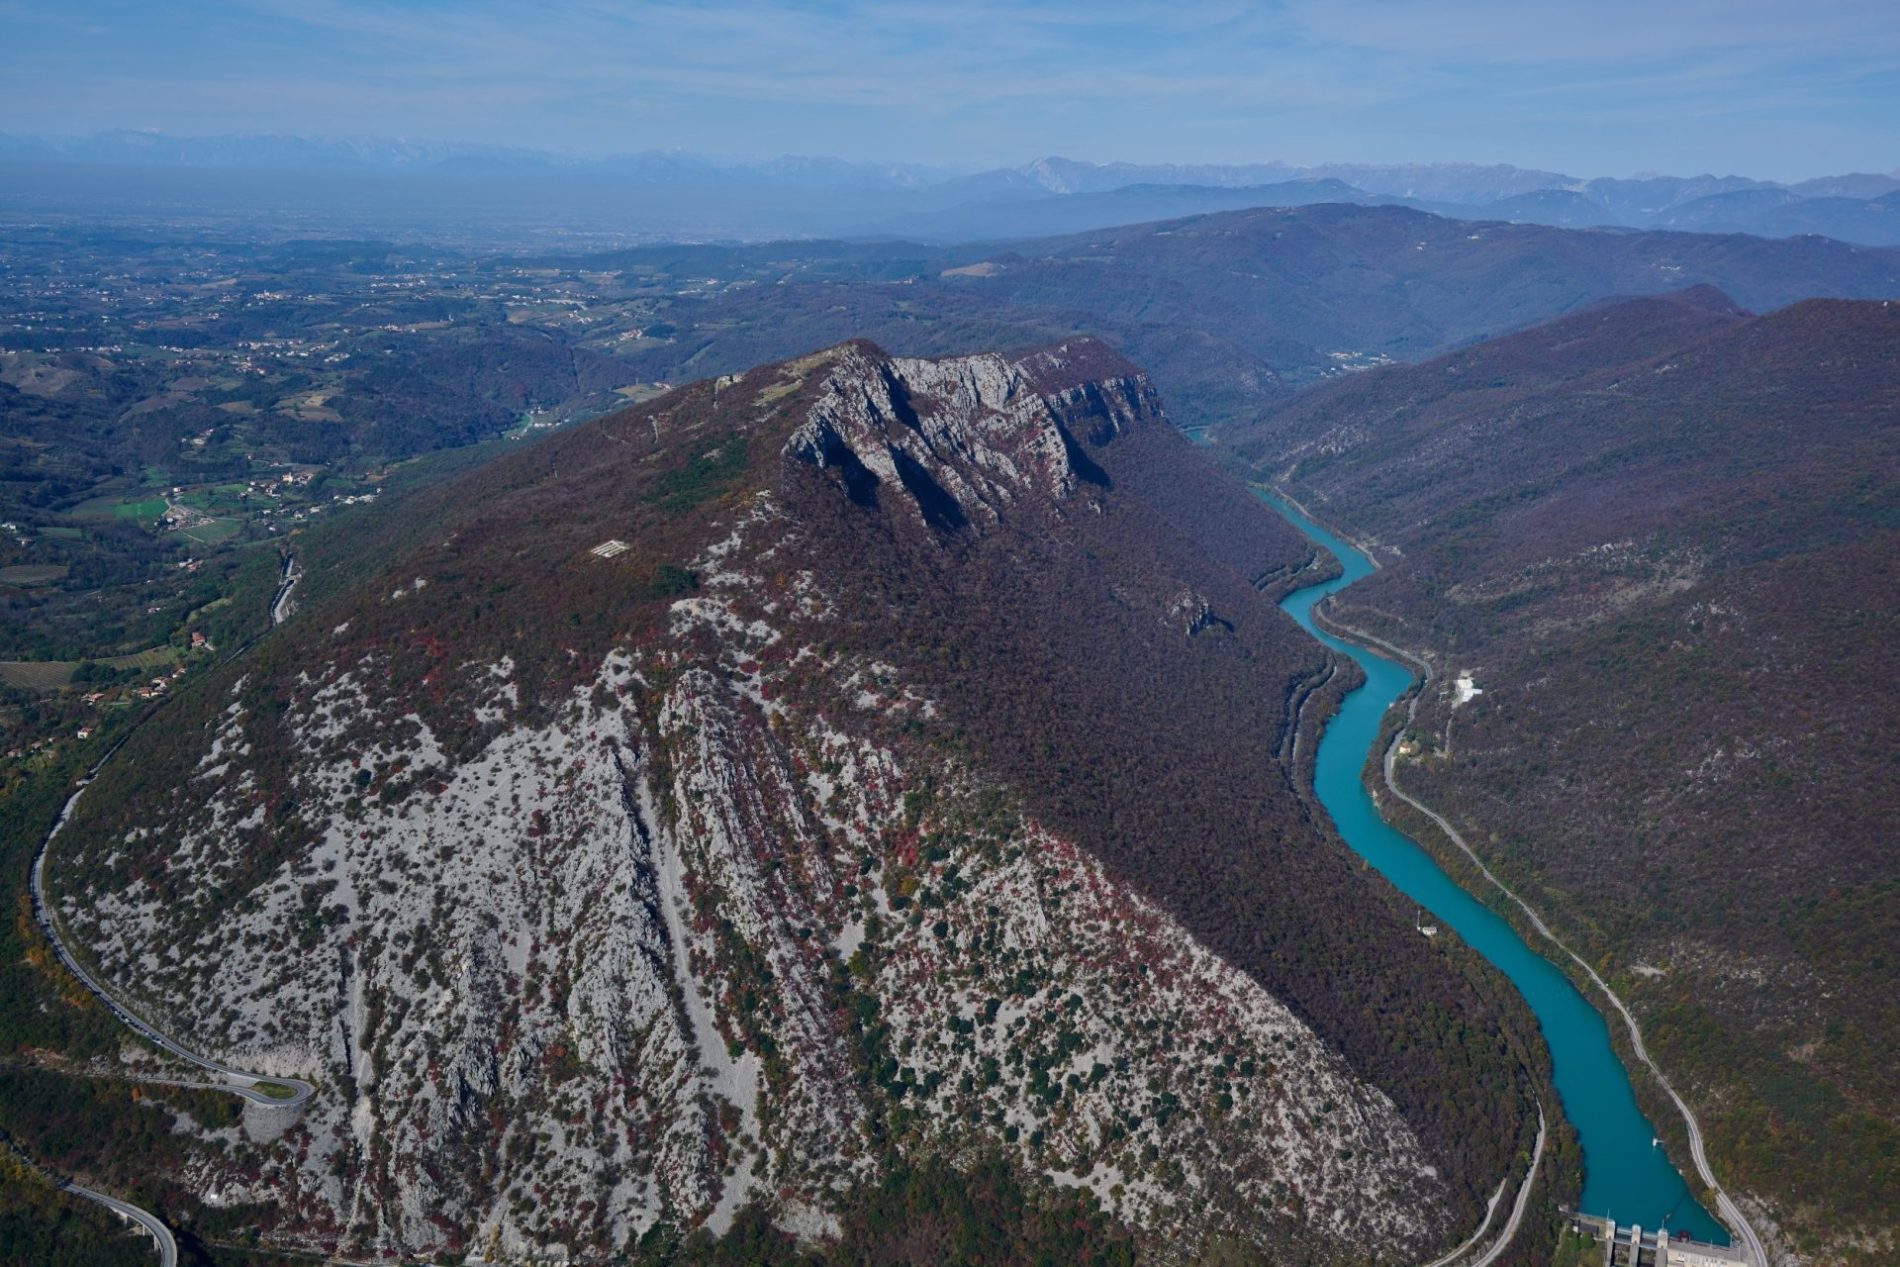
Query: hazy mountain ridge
[652,881]
[1451,182]
[202,366]
[700,195]
[1230,312]
[1695,204]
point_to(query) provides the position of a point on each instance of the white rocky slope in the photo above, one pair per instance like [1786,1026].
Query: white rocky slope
[706,933]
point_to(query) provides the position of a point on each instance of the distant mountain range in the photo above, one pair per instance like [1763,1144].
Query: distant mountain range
[373,154]
[1230,312]
[704,196]
[1062,196]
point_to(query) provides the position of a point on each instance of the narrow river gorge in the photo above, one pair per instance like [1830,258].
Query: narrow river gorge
[1627,1176]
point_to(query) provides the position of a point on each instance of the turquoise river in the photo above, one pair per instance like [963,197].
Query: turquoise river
[1626,1175]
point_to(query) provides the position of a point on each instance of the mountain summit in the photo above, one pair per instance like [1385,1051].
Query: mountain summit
[725,804]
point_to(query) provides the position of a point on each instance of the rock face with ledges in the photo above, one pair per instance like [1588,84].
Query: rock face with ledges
[967,436]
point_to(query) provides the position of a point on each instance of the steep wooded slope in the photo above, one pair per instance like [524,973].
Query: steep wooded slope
[856,760]
[1660,538]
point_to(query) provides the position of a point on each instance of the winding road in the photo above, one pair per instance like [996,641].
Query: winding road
[167,1244]
[1731,1214]
[224,1077]
[271,1092]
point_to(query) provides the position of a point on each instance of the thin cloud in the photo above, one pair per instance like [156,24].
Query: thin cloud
[981,82]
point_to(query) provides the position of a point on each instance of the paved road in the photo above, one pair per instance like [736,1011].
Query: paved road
[1738,1224]
[1508,1232]
[223,1077]
[167,1246]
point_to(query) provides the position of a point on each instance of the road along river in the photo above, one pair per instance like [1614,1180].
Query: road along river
[1626,1174]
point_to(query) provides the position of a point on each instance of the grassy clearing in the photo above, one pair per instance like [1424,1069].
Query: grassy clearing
[33,573]
[37,675]
[51,675]
[150,658]
[212,532]
[275,1090]
[216,497]
[119,508]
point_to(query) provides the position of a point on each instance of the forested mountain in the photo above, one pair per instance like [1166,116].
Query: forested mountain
[745,805]
[1650,550]
[156,392]
[1233,311]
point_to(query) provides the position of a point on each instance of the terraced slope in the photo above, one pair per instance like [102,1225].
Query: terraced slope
[727,808]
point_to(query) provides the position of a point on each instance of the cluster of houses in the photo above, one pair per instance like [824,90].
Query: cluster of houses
[39,745]
[152,689]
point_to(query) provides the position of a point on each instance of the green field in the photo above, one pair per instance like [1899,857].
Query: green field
[33,573]
[50,675]
[119,508]
[150,658]
[37,675]
[211,533]
[216,497]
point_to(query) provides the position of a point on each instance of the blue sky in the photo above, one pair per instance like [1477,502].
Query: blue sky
[1771,88]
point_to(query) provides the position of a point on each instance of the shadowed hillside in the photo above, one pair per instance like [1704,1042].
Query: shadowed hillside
[1658,538]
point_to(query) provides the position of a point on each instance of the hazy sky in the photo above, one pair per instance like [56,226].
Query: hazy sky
[1773,88]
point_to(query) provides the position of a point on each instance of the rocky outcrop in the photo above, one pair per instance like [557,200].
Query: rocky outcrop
[965,438]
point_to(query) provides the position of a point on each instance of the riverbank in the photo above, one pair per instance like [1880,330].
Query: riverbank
[1738,1225]
[1595,1086]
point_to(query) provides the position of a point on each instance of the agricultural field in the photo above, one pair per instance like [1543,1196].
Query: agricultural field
[27,575]
[37,675]
[48,675]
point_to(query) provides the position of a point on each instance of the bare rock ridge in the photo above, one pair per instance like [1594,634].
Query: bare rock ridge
[855,760]
[972,434]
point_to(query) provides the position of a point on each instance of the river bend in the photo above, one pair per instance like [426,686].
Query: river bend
[1627,1176]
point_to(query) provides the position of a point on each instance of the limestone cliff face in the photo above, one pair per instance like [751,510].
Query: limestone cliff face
[722,923]
[966,438]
